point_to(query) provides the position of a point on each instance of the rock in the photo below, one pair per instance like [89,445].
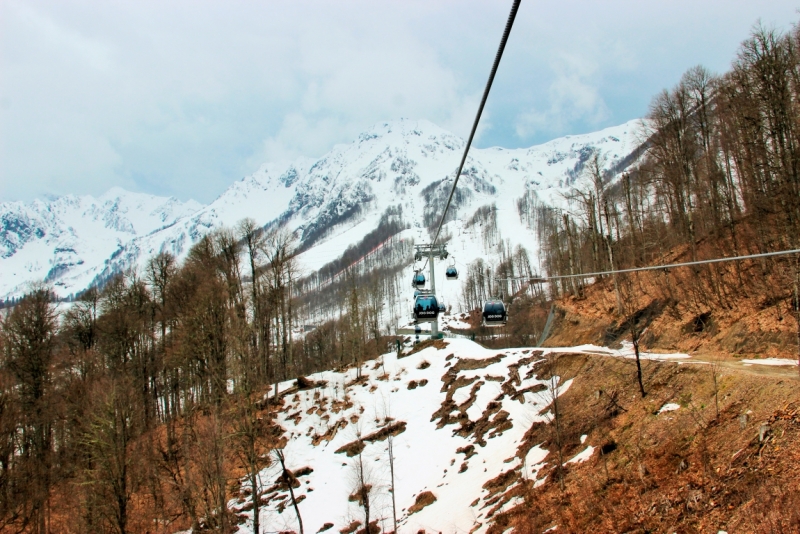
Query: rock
[304,383]
[763,432]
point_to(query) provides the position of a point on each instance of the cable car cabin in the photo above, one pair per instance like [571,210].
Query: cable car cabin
[494,313]
[426,308]
[451,273]
[418,280]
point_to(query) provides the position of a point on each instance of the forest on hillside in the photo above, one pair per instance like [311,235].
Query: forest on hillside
[719,177]
[722,166]
[143,401]
[134,400]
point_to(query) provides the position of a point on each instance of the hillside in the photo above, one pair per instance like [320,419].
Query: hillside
[468,427]
[476,446]
[731,311]
[668,463]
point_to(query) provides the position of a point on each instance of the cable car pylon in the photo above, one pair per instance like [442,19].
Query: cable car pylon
[426,305]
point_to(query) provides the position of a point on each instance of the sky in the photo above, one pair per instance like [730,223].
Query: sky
[183,97]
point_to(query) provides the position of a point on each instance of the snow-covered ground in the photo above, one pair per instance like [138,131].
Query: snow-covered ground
[780,362]
[464,411]
[669,407]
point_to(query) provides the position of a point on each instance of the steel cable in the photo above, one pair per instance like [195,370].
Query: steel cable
[652,267]
[506,32]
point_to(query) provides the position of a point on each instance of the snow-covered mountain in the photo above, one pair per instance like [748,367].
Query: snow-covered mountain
[59,240]
[332,202]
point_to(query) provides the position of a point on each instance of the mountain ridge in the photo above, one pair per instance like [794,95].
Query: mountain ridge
[74,242]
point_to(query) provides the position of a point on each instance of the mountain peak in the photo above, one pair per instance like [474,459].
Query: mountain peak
[403,127]
[116,192]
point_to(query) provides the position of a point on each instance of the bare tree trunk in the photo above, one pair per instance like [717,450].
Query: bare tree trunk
[714,378]
[363,490]
[256,500]
[629,209]
[610,250]
[391,471]
[635,339]
[797,304]
[557,421]
[287,478]
[570,254]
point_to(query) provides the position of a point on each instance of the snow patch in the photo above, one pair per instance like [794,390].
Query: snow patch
[582,456]
[669,407]
[771,361]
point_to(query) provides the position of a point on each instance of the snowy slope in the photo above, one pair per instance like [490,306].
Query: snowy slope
[463,410]
[331,202]
[68,240]
[319,422]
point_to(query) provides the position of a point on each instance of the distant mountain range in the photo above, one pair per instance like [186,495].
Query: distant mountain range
[332,202]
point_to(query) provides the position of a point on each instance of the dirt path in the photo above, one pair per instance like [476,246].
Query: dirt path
[724,362]
[782,371]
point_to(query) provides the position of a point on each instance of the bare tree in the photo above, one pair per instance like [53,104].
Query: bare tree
[109,440]
[251,446]
[28,342]
[631,318]
[550,395]
[387,411]
[288,479]
[363,488]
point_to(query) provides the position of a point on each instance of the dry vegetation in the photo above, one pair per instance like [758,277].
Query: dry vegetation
[678,471]
[751,316]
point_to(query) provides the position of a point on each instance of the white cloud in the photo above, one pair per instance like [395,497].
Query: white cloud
[183,97]
[573,96]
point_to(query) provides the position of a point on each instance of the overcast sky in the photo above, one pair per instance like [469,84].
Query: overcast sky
[182,98]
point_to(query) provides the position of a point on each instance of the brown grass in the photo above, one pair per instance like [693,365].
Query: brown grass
[679,471]
[426,498]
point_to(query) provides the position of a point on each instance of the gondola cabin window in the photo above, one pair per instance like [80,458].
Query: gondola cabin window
[419,280]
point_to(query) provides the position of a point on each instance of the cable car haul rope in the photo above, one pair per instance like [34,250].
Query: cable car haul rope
[501,48]
[426,306]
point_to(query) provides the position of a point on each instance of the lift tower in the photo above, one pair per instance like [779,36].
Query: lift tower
[431,252]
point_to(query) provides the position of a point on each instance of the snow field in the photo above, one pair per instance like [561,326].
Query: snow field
[780,362]
[425,455]
[426,452]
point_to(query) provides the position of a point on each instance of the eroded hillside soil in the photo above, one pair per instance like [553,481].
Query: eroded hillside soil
[726,311]
[668,462]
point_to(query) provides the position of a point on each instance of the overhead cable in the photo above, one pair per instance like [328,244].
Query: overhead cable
[506,32]
[652,267]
